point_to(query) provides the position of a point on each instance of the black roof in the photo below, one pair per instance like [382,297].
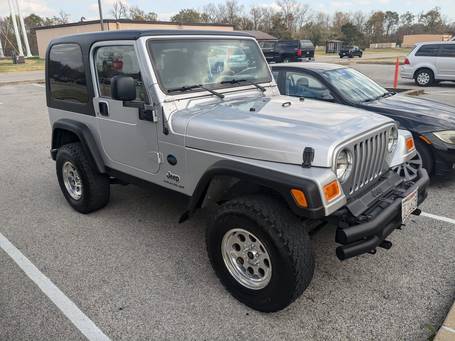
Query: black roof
[87,39]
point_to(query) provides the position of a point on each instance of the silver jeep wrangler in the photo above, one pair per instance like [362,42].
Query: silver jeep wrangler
[198,112]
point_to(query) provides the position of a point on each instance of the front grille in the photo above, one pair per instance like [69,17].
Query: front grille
[368,163]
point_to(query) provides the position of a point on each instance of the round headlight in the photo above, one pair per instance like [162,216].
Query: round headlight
[393,138]
[343,165]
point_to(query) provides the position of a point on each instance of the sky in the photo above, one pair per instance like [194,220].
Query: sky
[166,8]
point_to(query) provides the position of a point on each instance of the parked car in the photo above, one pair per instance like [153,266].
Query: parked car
[271,166]
[288,51]
[431,123]
[350,52]
[429,63]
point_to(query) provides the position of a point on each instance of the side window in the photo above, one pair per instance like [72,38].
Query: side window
[428,50]
[67,73]
[112,61]
[447,51]
[304,85]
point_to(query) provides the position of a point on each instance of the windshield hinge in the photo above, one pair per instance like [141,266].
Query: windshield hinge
[150,108]
[159,157]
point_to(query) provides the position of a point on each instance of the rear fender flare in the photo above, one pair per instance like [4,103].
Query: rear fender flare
[85,137]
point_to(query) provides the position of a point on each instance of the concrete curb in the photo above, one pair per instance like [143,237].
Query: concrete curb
[415,92]
[447,330]
[27,81]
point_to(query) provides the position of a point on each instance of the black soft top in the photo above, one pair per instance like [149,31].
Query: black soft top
[87,39]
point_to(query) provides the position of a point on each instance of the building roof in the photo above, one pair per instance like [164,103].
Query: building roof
[259,35]
[128,21]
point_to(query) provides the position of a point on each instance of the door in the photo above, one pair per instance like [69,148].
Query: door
[446,62]
[128,141]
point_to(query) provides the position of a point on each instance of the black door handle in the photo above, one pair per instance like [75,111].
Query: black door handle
[104,108]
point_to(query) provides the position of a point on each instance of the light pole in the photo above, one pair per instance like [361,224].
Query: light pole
[1,49]
[16,31]
[24,31]
[101,15]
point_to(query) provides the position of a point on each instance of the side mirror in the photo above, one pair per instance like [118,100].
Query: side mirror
[123,88]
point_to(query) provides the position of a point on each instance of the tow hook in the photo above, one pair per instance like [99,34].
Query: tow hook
[417,211]
[386,244]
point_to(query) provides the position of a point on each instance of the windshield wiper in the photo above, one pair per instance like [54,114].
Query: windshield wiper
[387,94]
[197,86]
[236,81]
[384,95]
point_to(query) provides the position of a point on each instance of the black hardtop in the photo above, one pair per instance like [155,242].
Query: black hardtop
[88,39]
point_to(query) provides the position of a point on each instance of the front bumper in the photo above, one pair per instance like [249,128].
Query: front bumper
[372,217]
[444,161]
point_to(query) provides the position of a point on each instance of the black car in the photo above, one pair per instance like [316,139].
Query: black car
[287,50]
[351,52]
[431,123]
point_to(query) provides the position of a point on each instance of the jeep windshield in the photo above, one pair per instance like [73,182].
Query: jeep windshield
[181,64]
[355,86]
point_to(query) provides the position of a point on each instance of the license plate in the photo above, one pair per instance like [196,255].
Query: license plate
[408,205]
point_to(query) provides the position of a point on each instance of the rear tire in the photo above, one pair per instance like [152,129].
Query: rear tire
[277,235]
[84,188]
[424,77]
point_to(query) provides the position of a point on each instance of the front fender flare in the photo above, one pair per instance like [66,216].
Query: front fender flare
[279,182]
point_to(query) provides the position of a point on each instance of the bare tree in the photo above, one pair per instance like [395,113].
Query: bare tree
[256,16]
[63,17]
[359,19]
[294,14]
[120,9]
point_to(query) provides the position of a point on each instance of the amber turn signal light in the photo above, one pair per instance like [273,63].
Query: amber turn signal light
[425,139]
[299,198]
[410,144]
[332,190]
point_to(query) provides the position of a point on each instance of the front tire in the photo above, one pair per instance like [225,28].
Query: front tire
[84,188]
[425,154]
[261,252]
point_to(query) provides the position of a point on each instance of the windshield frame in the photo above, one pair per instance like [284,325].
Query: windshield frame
[342,93]
[202,37]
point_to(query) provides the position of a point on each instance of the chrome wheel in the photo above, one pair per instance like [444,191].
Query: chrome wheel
[72,180]
[246,258]
[423,78]
[409,170]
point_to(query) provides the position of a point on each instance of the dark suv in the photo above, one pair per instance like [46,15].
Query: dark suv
[282,51]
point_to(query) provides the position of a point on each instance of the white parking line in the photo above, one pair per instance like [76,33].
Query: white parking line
[438,217]
[448,329]
[68,308]
[38,85]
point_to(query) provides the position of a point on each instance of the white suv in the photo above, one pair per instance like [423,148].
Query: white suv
[430,62]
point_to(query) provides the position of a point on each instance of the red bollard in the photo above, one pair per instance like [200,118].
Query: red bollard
[397,70]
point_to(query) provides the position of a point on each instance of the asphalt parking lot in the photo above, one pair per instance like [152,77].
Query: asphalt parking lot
[137,274]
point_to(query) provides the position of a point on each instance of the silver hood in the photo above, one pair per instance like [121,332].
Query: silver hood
[273,128]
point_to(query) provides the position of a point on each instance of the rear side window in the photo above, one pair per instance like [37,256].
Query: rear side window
[67,74]
[428,50]
[288,44]
[447,50]
[112,61]
[305,44]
